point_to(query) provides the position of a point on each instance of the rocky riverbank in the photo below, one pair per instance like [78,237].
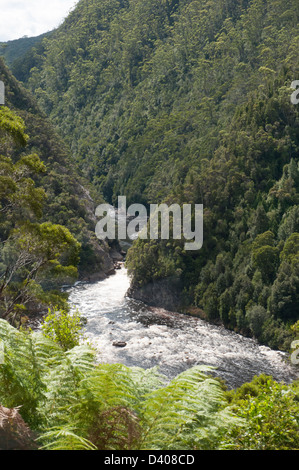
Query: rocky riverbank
[108,261]
[163,293]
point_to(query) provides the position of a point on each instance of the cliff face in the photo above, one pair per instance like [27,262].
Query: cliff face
[163,293]
[103,262]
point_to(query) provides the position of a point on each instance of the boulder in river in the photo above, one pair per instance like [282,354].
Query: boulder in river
[119,344]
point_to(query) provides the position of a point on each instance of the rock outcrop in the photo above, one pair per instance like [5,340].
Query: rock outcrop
[163,293]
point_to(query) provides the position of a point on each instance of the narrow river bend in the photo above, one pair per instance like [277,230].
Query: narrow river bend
[171,341]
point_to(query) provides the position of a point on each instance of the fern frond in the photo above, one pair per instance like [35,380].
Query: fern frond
[65,439]
[38,375]
[171,416]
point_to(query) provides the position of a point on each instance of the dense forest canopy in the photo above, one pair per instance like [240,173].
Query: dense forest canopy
[189,101]
[14,50]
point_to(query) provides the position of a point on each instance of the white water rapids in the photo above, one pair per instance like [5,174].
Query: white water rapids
[171,341]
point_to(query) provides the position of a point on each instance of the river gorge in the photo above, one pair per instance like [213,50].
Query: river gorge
[127,331]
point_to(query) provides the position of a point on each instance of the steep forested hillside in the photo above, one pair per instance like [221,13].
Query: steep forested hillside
[189,101]
[16,49]
[46,213]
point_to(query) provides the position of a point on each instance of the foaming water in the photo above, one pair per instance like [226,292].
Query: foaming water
[171,341]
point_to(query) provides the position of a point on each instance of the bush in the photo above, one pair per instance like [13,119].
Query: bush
[63,327]
[256,317]
[271,411]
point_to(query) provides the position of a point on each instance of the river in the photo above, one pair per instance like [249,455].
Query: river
[171,341]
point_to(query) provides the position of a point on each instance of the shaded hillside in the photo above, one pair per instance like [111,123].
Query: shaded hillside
[39,187]
[13,50]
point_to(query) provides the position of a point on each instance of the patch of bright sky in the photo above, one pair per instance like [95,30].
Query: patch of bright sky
[20,18]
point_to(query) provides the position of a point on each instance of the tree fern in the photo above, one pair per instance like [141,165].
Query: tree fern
[112,411]
[62,380]
[103,405]
[187,413]
[75,404]
[36,371]
[20,374]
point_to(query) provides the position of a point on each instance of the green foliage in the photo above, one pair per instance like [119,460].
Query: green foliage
[34,369]
[152,261]
[188,413]
[33,258]
[256,317]
[290,252]
[13,50]
[271,413]
[63,327]
[12,125]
